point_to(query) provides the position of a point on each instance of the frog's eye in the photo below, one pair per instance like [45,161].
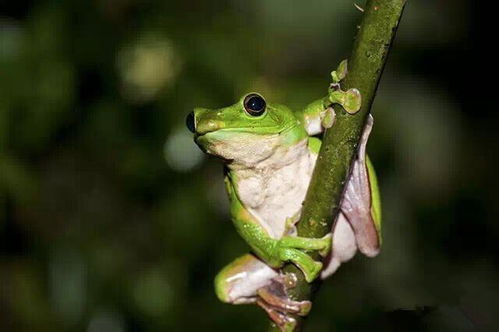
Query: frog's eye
[254,104]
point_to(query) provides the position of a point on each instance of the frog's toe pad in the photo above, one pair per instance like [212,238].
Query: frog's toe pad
[305,307]
[328,118]
[353,101]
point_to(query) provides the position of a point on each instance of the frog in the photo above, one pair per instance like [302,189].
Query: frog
[269,152]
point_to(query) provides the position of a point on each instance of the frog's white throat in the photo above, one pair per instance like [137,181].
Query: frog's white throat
[274,188]
[245,150]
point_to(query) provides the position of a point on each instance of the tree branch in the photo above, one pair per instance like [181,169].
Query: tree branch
[365,65]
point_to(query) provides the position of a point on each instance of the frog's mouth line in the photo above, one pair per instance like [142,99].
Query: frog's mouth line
[246,130]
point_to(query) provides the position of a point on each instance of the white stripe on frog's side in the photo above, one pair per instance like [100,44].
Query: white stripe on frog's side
[274,189]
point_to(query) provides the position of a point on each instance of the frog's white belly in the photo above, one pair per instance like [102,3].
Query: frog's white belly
[274,190]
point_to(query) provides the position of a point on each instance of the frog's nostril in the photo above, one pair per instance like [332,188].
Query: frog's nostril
[189,122]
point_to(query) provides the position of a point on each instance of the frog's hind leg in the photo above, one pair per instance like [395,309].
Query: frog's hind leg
[357,204]
[249,280]
[355,226]
[239,281]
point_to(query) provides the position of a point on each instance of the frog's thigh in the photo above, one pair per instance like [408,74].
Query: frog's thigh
[239,281]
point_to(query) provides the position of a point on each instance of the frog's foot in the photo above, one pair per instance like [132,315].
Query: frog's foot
[305,263]
[283,321]
[322,245]
[351,99]
[249,280]
[275,294]
[274,299]
[288,250]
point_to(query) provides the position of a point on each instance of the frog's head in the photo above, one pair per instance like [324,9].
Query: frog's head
[247,132]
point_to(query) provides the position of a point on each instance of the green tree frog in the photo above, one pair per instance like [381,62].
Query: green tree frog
[269,153]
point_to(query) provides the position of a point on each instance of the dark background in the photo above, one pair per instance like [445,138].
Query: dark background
[112,220]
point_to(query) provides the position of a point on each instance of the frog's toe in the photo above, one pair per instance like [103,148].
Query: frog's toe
[275,294]
[340,72]
[314,272]
[284,322]
[327,245]
[328,118]
[305,307]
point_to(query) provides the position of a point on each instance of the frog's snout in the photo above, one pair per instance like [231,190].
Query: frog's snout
[190,123]
[203,121]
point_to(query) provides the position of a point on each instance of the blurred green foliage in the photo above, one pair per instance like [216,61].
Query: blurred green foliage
[112,220]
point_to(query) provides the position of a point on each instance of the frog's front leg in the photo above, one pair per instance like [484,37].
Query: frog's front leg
[275,252]
[319,115]
[290,239]
[249,280]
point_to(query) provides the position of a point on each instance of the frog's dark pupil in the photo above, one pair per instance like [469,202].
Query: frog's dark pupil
[255,105]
